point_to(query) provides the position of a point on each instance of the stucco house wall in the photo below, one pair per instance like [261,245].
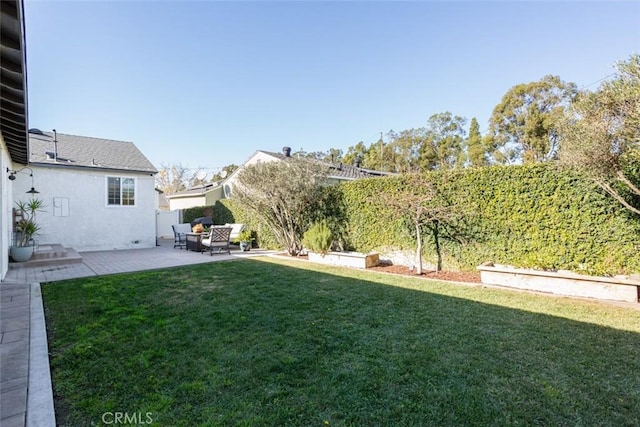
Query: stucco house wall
[13,114]
[6,204]
[186,202]
[212,196]
[257,157]
[76,213]
[195,197]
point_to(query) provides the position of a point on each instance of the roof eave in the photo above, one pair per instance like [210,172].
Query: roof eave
[13,90]
[342,178]
[185,195]
[96,168]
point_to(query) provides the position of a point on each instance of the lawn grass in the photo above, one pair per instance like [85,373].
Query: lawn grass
[274,342]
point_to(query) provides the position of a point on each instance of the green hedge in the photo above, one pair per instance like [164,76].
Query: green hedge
[537,216]
[190,214]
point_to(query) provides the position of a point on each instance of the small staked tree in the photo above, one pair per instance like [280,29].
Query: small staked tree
[285,195]
[417,200]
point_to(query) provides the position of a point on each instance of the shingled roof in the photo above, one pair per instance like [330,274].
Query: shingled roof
[198,190]
[340,170]
[86,152]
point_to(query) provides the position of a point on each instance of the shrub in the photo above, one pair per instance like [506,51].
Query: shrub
[284,195]
[318,238]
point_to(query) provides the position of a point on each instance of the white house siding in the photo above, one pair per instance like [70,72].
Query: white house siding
[81,218]
[6,197]
[187,202]
[257,157]
[164,221]
[212,196]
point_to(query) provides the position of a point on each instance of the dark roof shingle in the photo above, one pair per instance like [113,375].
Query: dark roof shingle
[83,151]
[340,170]
[199,190]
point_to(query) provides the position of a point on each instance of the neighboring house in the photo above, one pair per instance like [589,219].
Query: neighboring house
[99,194]
[201,195]
[13,115]
[208,194]
[337,172]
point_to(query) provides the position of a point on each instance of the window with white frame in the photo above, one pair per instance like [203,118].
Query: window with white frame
[121,191]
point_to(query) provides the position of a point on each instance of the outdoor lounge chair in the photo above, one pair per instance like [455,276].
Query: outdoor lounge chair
[236,229]
[179,235]
[218,239]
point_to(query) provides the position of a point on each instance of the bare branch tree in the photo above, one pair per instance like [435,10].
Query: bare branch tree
[172,178]
[417,200]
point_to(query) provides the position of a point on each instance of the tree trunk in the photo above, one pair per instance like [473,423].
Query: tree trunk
[436,242]
[418,251]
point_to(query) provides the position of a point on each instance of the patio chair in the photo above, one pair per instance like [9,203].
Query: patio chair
[236,229]
[218,239]
[179,235]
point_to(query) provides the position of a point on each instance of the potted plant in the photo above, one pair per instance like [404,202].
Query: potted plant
[245,238]
[25,229]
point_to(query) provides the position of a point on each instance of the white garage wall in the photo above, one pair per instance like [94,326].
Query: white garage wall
[6,203]
[76,213]
[165,219]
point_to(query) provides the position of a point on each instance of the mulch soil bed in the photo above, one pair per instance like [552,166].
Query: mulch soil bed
[455,276]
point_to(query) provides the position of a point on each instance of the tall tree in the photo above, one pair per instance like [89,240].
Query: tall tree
[358,151]
[376,154]
[286,195]
[525,122]
[381,156]
[601,133]
[333,155]
[443,145]
[406,148]
[476,150]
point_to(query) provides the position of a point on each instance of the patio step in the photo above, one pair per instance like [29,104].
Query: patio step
[52,254]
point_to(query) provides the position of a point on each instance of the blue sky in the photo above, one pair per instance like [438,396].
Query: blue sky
[206,83]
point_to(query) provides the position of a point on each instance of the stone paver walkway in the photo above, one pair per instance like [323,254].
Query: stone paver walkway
[26,398]
[14,352]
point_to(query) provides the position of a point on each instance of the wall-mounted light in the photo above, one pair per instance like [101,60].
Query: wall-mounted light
[12,177]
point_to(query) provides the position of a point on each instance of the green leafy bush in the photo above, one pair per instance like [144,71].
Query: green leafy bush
[318,238]
[230,211]
[190,214]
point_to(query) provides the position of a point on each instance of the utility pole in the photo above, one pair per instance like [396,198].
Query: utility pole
[381,153]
